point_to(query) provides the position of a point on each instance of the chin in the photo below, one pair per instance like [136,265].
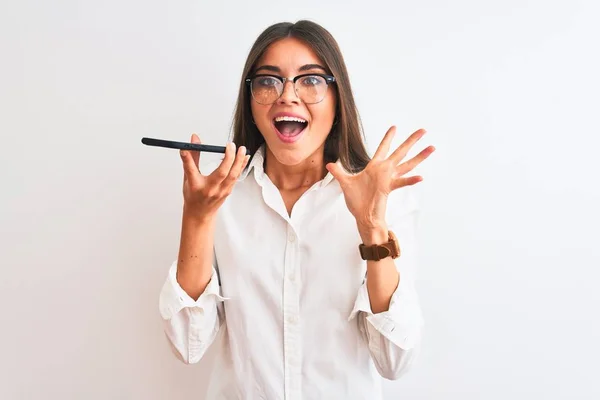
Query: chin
[289,156]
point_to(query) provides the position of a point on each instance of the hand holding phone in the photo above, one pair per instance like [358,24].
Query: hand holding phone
[203,195]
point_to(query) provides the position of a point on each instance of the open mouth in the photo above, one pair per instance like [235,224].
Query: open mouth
[289,128]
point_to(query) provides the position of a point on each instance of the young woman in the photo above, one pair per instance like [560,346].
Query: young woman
[298,248]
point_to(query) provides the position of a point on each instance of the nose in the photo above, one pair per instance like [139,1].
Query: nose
[289,95]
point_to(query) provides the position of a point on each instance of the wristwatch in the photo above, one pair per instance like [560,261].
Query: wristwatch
[377,252]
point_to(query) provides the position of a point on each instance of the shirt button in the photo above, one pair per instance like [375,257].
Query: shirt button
[292,237]
[292,319]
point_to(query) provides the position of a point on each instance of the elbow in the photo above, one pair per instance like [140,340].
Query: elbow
[189,334]
[185,359]
[394,362]
[394,371]
[179,351]
[189,360]
[186,354]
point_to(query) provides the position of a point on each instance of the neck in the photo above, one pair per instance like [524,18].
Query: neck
[294,177]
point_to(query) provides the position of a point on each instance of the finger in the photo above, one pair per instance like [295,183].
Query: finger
[222,171]
[246,161]
[401,151]
[401,182]
[236,169]
[190,168]
[409,165]
[196,154]
[384,146]
[337,171]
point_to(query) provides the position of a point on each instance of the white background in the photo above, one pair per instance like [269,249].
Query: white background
[90,218]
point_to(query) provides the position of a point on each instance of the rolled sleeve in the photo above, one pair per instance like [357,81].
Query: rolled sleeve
[394,335]
[401,323]
[191,326]
[173,298]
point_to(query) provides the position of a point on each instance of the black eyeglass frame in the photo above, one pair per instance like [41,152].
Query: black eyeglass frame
[329,79]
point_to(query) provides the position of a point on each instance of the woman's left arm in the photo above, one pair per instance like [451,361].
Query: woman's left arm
[387,305]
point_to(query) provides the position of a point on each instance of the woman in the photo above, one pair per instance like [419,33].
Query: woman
[292,255]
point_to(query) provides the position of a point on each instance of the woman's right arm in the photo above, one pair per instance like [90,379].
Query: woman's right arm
[194,263]
[190,301]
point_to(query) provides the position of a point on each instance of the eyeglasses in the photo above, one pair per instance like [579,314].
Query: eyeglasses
[310,88]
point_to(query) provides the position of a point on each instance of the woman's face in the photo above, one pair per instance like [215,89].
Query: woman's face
[292,142]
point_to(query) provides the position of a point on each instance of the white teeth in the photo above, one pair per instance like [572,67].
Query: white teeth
[292,119]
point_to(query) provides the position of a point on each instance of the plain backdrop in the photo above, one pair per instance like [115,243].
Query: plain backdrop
[90,218]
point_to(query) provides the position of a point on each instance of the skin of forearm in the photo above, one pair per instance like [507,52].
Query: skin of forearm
[194,263]
[382,276]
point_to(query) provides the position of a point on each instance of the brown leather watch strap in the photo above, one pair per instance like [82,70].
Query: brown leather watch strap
[378,252]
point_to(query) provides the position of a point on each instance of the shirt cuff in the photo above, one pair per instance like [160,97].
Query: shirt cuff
[173,298]
[401,323]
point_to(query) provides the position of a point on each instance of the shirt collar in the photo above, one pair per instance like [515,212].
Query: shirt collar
[258,162]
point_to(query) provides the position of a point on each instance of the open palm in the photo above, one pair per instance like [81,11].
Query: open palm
[366,192]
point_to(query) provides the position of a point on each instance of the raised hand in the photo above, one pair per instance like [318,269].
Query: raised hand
[366,192]
[203,195]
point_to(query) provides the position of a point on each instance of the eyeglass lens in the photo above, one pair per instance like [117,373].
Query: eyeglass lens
[310,89]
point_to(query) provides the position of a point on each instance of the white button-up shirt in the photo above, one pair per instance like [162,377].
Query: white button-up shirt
[289,295]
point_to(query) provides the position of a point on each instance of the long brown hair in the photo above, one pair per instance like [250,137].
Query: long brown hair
[345,140]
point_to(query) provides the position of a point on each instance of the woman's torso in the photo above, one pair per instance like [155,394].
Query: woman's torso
[291,284]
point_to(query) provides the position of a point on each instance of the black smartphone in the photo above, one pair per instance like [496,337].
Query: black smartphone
[183,145]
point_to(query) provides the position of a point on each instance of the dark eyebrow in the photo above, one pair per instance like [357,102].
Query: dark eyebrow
[268,68]
[311,66]
[306,67]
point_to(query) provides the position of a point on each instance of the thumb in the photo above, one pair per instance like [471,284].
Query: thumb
[195,154]
[336,170]
[190,169]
